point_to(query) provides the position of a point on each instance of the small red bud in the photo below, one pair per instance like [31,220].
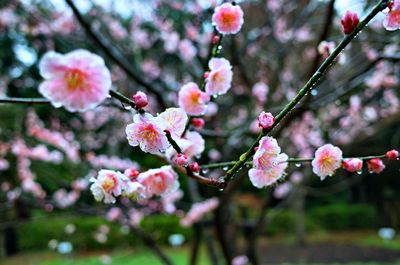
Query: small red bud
[215,39]
[140,100]
[194,167]
[392,154]
[198,123]
[349,22]
[206,74]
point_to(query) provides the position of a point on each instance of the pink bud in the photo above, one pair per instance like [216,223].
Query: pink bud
[266,120]
[194,167]
[140,100]
[375,165]
[206,74]
[198,123]
[215,39]
[181,160]
[352,164]
[349,22]
[131,173]
[392,154]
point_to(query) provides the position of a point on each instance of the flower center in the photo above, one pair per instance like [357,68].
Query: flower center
[75,78]
[149,133]
[194,97]
[109,183]
[228,18]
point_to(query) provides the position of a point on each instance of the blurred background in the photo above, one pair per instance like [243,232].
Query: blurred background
[47,213]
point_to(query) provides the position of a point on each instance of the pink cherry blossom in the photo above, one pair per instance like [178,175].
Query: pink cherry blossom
[267,151]
[266,120]
[147,132]
[392,20]
[240,260]
[198,210]
[219,78]
[352,164]
[78,80]
[192,144]
[107,185]
[375,165]
[327,159]
[192,100]
[260,91]
[160,181]
[175,120]
[269,164]
[265,177]
[228,18]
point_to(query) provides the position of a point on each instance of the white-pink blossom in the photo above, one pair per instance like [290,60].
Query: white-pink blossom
[147,132]
[175,121]
[219,78]
[392,20]
[107,185]
[192,100]
[78,80]
[159,181]
[228,18]
[268,162]
[327,160]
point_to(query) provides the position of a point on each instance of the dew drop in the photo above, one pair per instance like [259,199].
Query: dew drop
[215,96]
[314,92]
[359,172]
[221,189]
[108,96]
[225,168]
[127,107]
[298,165]
[205,171]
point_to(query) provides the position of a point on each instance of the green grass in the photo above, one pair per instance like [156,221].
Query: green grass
[134,257]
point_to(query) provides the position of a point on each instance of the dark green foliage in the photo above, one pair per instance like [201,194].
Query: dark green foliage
[46,229]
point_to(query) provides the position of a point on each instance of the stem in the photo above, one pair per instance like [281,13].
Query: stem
[290,160]
[24,100]
[203,180]
[307,87]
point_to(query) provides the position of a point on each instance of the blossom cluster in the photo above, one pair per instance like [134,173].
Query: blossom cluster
[109,184]
[268,162]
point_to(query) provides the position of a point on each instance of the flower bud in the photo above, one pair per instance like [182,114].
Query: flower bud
[198,123]
[215,39]
[349,22]
[194,167]
[266,120]
[392,154]
[140,100]
[181,160]
[131,173]
[352,164]
[375,165]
